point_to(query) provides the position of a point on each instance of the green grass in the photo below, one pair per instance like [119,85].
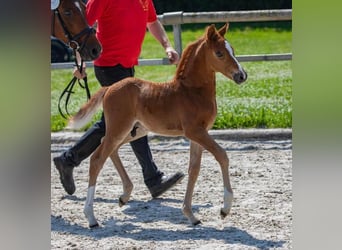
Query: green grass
[264,101]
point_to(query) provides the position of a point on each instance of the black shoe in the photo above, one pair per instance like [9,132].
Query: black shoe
[65,174]
[165,184]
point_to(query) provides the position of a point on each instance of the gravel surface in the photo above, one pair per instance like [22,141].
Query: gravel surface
[261,216]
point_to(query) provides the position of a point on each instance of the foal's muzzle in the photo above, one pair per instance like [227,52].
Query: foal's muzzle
[240,76]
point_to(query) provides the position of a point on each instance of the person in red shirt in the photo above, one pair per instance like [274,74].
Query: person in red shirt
[120,28]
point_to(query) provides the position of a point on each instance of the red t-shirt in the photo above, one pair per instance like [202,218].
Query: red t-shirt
[121,28]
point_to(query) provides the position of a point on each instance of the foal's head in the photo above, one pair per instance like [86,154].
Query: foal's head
[222,56]
[69,24]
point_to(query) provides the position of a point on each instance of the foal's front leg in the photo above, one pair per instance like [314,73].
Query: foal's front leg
[203,138]
[194,168]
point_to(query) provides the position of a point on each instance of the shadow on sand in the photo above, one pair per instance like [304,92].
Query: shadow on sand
[139,212]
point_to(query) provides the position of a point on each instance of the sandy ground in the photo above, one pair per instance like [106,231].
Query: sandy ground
[261,216]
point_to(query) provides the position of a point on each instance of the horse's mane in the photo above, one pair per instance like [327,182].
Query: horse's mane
[187,55]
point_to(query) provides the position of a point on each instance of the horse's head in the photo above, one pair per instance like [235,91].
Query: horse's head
[69,24]
[221,55]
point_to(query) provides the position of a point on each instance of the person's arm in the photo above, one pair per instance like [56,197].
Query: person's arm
[158,31]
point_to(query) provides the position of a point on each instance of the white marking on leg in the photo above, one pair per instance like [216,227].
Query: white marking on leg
[88,207]
[228,200]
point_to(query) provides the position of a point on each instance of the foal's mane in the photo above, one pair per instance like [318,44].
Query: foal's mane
[187,58]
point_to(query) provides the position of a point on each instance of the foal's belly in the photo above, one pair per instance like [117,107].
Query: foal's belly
[163,127]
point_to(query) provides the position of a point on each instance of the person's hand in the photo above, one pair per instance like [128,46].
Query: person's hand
[78,74]
[172,54]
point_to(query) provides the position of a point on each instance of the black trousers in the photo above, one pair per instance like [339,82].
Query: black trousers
[92,138]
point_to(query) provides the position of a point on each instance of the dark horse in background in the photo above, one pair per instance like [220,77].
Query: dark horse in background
[69,24]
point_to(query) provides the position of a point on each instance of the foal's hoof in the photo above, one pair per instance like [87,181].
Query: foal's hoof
[121,202]
[223,214]
[196,223]
[94,226]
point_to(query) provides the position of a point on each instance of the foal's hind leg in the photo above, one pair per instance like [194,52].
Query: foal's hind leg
[127,185]
[139,131]
[97,161]
[194,168]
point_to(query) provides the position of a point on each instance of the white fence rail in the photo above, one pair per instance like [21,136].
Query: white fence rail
[181,17]
[177,18]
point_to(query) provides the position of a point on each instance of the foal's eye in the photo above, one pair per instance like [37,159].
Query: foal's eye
[219,54]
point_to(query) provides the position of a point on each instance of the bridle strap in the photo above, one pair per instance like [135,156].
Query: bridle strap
[72,40]
[53,24]
[72,43]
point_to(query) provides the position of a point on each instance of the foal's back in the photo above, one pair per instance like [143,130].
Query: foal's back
[154,105]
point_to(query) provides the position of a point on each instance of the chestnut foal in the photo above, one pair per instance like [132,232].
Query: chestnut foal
[185,106]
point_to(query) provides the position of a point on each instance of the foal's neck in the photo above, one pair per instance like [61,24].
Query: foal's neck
[194,70]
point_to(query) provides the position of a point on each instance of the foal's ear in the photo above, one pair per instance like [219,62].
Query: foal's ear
[211,34]
[224,29]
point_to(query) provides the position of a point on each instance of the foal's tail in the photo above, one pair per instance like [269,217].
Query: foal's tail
[87,111]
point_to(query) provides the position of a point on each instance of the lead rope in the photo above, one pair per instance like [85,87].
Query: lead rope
[69,89]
